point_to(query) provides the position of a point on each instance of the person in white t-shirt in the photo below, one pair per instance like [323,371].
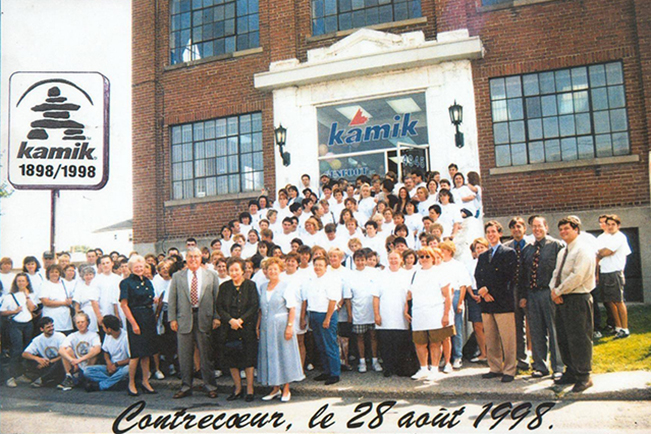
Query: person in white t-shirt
[389,297]
[56,300]
[360,285]
[375,241]
[78,350]
[430,315]
[116,355]
[108,284]
[463,195]
[86,298]
[613,250]
[460,283]
[17,307]
[6,276]
[42,355]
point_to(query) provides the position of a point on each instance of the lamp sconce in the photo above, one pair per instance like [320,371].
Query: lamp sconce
[456,117]
[280,135]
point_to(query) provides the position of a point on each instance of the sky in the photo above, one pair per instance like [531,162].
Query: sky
[68,35]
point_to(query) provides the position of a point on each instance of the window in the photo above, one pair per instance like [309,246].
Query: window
[219,156]
[563,115]
[329,16]
[206,28]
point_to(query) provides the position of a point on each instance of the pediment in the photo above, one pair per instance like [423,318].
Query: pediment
[365,42]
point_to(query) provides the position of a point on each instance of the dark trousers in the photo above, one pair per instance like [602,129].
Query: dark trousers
[20,334]
[596,313]
[50,375]
[520,335]
[574,327]
[326,342]
[540,313]
[186,342]
[394,344]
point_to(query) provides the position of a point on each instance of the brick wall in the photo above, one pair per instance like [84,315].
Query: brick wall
[553,35]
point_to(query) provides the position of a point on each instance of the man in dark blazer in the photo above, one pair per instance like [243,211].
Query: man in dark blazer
[494,274]
[192,314]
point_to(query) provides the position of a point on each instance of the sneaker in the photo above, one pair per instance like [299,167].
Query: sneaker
[159,375]
[622,334]
[421,374]
[597,335]
[309,367]
[37,383]
[362,367]
[218,373]
[172,370]
[433,375]
[23,379]
[67,383]
[609,330]
[457,364]
[11,382]
[447,368]
[539,374]
[376,366]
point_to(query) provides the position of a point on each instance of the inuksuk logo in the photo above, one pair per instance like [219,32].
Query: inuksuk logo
[56,115]
[58,130]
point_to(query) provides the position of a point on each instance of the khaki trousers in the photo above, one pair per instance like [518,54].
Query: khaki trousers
[500,342]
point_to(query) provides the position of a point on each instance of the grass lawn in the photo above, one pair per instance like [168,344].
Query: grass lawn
[630,354]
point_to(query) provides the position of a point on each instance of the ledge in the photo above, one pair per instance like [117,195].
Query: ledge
[511,4]
[428,53]
[220,198]
[210,59]
[383,26]
[565,165]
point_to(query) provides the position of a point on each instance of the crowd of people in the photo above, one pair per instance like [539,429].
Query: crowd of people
[398,277]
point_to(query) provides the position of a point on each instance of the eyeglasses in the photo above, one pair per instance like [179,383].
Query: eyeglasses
[424,257]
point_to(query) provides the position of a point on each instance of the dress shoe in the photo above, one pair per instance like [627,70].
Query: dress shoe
[507,378]
[286,398]
[249,397]
[182,394]
[489,375]
[565,379]
[276,394]
[581,386]
[321,377]
[332,380]
[131,393]
[233,396]
[148,391]
[539,374]
[212,393]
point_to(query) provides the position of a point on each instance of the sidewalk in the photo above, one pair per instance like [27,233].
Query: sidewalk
[465,383]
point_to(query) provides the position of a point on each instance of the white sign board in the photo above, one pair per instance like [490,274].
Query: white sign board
[58,130]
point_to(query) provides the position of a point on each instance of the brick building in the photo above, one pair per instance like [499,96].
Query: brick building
[554,94]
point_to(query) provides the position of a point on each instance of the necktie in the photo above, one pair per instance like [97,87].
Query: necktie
[534,267]
[518,254]
[194,290]
[560,270]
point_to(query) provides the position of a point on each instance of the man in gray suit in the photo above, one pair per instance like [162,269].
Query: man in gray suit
[192,314]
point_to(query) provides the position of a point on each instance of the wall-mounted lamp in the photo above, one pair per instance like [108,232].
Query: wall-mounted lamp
[280,134]
[456,117]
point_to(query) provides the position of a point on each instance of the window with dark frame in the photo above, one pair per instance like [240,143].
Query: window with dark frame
[563,115]
[206,28]
[329,16]
[217,156]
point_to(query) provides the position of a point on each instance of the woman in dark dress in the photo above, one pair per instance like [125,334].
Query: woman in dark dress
[136,299]
[237,306]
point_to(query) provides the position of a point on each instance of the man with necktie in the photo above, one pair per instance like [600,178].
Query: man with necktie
[192,314]
[538,262]
[571,283]
[494,275]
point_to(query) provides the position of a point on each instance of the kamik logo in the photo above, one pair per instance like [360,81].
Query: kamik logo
[402,127]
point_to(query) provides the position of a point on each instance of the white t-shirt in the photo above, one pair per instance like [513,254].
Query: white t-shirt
[61,314]
[37,282]
[365,208]
[285,241]
[360,287]
[464,191]
[109,292]
[617,243]
[378,245]
[427,300]
[85,295]
[450,214]
[391,288]
[319,291]
[7,279]
[455,273]
[161,286]
[117,349]
[46,347]
[8,303]
[342,272]
[249,250]
[81,344]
